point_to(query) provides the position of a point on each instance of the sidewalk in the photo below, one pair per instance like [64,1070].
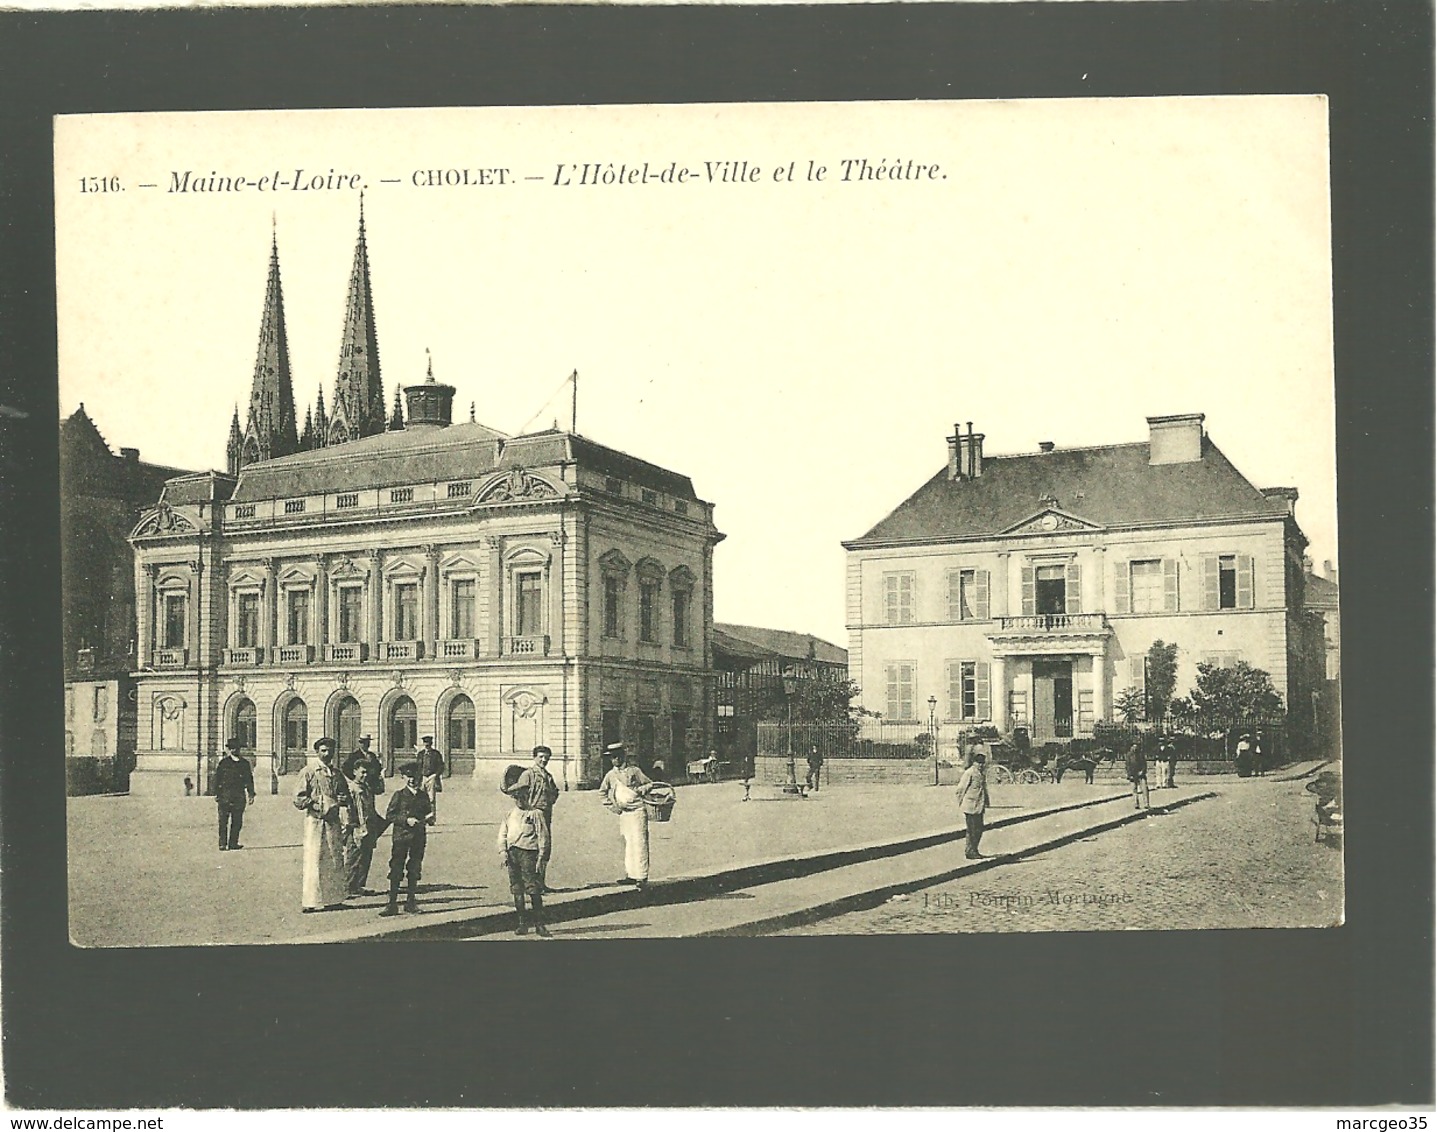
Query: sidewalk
[146,871]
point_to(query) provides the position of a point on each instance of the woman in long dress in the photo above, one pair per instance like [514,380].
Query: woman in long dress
[622,793]
[324,797]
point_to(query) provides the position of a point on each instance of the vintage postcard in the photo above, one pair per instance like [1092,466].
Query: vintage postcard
[656,521]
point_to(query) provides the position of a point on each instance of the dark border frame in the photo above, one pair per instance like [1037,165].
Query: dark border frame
[1307,1018]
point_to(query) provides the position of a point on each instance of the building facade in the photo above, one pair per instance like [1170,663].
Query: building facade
[438,579]
[1026,590]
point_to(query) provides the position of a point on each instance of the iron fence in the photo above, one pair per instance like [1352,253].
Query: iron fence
[870,739]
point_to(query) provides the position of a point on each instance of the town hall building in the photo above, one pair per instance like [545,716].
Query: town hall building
[408,575]
[1026,590]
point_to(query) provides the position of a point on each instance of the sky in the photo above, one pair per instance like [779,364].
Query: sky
[799,344]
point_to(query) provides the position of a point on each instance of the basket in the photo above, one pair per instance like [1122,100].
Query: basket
[659,801]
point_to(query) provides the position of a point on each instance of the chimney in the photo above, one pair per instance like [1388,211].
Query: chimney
[130,455]
[965,454]
[1175,439]
[1307,564]
[1282,497]
[1045,446]
[1329,571]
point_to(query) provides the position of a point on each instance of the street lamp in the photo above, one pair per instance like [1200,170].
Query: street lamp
[790,689]
[933,733]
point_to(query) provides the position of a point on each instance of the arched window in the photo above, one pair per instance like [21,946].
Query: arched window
[244,725]
[461,726]
[404,726]
[296,732]
[346,725]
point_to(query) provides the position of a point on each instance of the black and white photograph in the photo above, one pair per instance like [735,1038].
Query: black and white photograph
[607,522]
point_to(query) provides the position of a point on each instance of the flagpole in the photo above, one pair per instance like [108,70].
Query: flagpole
[574,415]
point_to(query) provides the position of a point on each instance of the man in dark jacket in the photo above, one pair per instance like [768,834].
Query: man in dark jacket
[815,768]
[431,773]
[234,788]
[408,816]
[362,755]
[1137,769]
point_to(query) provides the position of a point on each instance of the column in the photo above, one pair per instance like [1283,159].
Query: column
[555,594]
[376,604]
[196,593]
[1098,588]
[431,601]
[998,689]
[269,600]
[494,584]
[1102,691]
[321,605]
[145,573]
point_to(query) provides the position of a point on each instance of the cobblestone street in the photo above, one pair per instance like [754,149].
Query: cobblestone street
[1243,859]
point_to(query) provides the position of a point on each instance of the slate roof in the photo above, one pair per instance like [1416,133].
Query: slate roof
[1319,592]
[432,455]
[758,644]
[1110,486]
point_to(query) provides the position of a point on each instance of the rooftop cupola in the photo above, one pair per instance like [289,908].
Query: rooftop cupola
[429,403]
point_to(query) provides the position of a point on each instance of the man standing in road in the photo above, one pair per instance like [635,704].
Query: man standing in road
[622,793]
[1136,765]
[540,792]
[234,787]
[408,816]
[815,768]
[431,773]
[973,799]
[324,798]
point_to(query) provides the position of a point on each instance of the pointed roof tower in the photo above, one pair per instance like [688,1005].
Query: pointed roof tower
[358,408]
[235,447]
[270,428]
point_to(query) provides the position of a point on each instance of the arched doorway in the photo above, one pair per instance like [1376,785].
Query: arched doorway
[403,730]
[459,735]
[294,735]
[346,725]
[242,727]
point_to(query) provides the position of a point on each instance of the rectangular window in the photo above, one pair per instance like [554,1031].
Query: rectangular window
[293,506]
[297,617]
[1147,586]
[529,611]
[346,499]
[680,507]
[247,620]
[351,614]
[174,623]
[402,495]
[406,612]
[1051,591]
[98,707]
[462,610]
[900,691]
[459,490]
[967,595]
[968,691]
[612,591]
[651,498]
[1227,581]
[614,486]
[244,511]
[898,598]
[681,618]
[648,611]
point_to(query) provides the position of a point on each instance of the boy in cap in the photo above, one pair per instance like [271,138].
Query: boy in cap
[523,844]
[363,756]
[408,815]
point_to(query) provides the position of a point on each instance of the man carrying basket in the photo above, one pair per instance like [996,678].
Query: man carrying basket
[623,792]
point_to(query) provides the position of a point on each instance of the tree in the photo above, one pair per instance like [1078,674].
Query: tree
[1231,694]
[1162,672]
[1130,704]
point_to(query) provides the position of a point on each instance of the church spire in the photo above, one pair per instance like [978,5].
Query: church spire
[270,428]
[235,447]
[358,405]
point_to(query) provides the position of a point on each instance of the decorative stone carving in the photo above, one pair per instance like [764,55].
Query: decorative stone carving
[342,679]
[514,485]
[456,677]
[1049,521]
[165,520]
[289,681]
[398,678]
[526,703]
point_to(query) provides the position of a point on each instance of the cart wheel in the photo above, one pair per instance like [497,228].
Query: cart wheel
[1030,778]
[999,775]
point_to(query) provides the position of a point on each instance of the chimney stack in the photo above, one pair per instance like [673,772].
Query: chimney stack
[1045,446]
[1282,497]
[965,453]
[1175,439]
[1329,570]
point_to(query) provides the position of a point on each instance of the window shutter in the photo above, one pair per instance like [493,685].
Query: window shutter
[955,689]
[1122,602]
[1073,591]
[983,706]
[1244,581]
[980,602]
[1138,672]
[1029,600]
[890,599]
[1210,593]
[955,595]
[1170,585]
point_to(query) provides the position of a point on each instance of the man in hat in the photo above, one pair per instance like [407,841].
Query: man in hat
[523,846]
[431,773]
[973,798]
[622,793]
[234,787]
[408,815]
[324,797]
[540,793]
[363,756]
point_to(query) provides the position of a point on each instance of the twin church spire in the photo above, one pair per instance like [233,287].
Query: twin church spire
[357,407]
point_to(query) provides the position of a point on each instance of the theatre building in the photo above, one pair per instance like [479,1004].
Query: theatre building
[1027,589]
[417,576]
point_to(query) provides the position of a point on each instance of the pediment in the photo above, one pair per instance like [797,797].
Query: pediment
[516,486]
[403,567]
[1051,520]
[459,562]
[163,520]
[247,576]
